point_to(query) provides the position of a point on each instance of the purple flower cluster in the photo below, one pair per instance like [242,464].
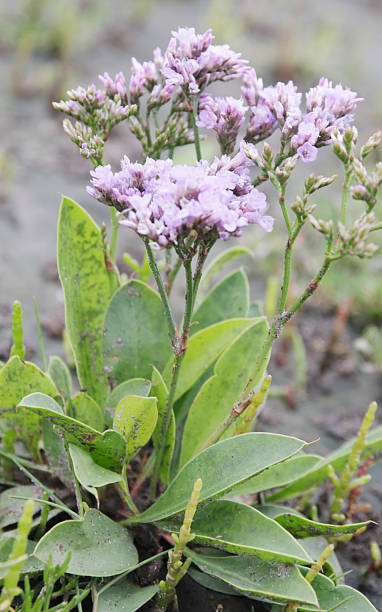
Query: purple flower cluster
[164,201]
[225,116]
[192,62]
[327,108]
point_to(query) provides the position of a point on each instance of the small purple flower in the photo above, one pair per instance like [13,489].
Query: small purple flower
[192,61]
[165,202]
[225,116]
[307,152]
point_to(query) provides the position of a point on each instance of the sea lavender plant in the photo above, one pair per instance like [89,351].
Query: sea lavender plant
[165,404]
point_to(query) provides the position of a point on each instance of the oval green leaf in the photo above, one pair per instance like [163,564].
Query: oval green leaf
[301,527]
[221,260]
[228,300]
[108,449]
[220,467]
[340,598]
[215,399]
[125,596]
[203,349]
[135,418]
[88,473]
[59,373]
[278,475]
[273,582]
[17,379]
[86,410]
[236,528]
[338,459]
[98,546]
[134,386]
[136,335]
[88,287]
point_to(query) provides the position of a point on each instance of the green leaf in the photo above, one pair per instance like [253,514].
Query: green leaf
[87,286]
[220,467]
[221,260]
[31,564]
[301,527]
[135,418]
[340,598]
[159,390]
[59,373]
[11,509]
[90,474]
[107,449]
[216,398]
[136,335]
[337,459]
[203,349]
[212,583]
[228,300]
[87,411]
[237,528]
[55,453]
[98,546]
[134,386]
[17,379]
[277,475]
[125,596]
[256,578]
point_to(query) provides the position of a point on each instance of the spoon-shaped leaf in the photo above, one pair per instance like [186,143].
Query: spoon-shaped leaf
[107,449]
[125,596]
[252,576]
[135,419]
[301,527]
[220,467]
[235,527]
[98,546]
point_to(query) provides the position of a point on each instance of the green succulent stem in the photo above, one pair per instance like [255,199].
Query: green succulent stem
[344,483]
[11,579]
[175,568]
[18,347]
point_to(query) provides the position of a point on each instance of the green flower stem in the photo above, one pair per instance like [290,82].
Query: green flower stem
[113,234]
[126,493]
[376,227]
[287,266]
[77,486]
[345,191]
[175,568]
[179,348]
[162,291]
[275,330]
[11,579]
[195,128]
[283,207]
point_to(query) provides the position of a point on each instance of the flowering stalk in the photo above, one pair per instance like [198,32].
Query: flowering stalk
[175,568]
[194,115]
[179,345]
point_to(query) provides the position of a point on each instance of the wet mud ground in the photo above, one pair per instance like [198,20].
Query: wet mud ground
[45,165]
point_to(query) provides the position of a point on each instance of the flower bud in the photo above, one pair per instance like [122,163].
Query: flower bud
[372,143]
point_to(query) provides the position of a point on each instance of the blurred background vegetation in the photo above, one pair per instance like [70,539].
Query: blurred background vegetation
[47,47]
